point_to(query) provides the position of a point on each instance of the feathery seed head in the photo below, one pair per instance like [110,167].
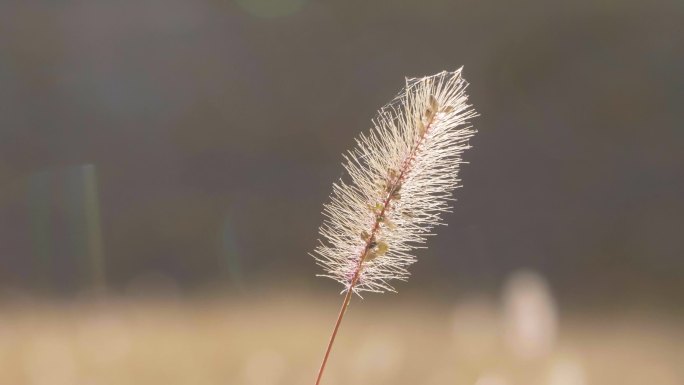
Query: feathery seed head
[401,178]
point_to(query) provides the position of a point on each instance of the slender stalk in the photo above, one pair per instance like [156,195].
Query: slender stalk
[345,303]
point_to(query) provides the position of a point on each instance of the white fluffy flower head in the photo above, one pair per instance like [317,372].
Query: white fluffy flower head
[401,178]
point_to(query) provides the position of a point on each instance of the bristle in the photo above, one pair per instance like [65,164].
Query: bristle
[401,178]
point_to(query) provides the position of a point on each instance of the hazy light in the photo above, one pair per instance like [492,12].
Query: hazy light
[376,359]
[265,367]
[441,376]
[491,379]
[567,372]
[530,315]
[49,360]
[8,339]
[475,326]
[104,339]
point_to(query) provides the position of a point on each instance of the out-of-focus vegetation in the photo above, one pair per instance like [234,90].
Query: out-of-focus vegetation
[190,144]
[198,140]
[278,339]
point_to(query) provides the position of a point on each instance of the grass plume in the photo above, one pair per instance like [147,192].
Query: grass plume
[401,178]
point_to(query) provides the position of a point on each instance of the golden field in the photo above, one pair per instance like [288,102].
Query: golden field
[269,339]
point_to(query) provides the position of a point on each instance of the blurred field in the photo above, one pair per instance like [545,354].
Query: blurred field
[278,339]
[165,146]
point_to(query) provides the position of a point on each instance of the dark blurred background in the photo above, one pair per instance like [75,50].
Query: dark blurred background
[198,140]
[188,146]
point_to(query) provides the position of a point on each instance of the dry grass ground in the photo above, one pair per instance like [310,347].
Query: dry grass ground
[279,340]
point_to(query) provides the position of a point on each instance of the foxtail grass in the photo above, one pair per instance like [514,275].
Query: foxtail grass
[401,177]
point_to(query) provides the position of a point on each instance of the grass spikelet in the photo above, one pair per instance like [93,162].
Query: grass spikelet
[401,178]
